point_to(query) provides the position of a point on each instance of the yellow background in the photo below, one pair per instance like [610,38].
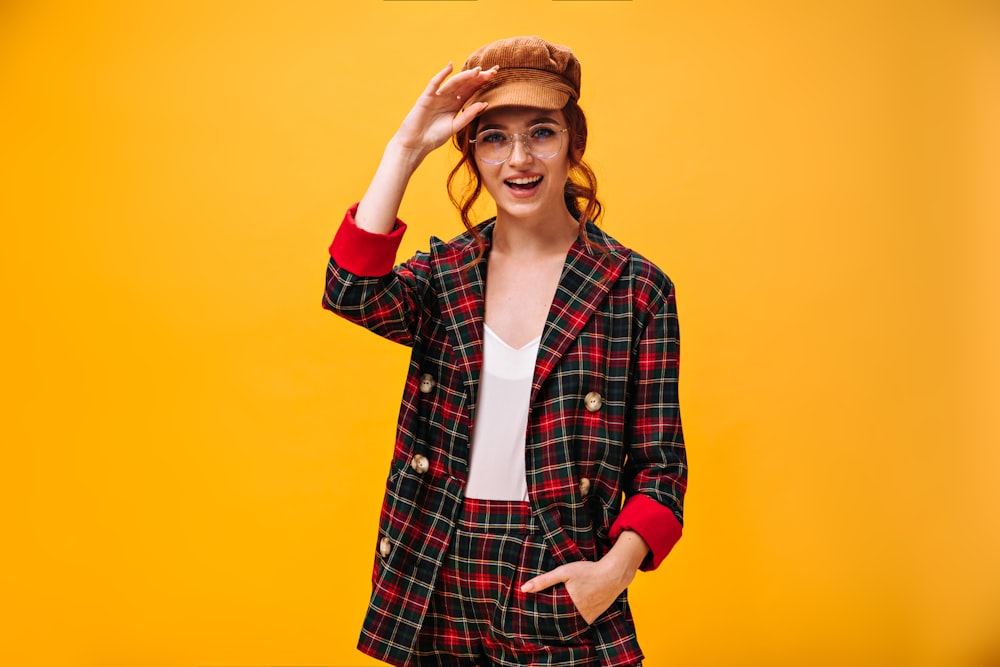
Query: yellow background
[194,452]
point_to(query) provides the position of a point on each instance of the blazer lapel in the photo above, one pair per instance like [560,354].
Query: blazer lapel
[586,279]
[587,276]
[462,298]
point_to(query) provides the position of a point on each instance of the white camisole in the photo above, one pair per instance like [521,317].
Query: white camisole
[496,459]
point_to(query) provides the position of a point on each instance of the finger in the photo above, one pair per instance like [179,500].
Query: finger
[466,82]
[465,86]
[437,80]
[467,114]
[458,85]
[545,580]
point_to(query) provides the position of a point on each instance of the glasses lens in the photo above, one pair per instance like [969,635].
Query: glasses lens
[492,146]
[544,140]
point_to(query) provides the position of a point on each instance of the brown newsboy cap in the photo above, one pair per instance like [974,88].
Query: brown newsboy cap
[533,73]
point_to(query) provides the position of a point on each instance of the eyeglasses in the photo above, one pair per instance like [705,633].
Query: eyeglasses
[542,141]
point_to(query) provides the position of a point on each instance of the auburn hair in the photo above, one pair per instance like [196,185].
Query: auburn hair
[579,192]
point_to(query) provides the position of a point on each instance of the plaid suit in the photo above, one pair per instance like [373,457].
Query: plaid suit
[612,329]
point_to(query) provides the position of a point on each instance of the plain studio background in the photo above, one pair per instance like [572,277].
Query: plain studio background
[194,452]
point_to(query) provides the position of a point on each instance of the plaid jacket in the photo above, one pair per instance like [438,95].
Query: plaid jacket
[612,330]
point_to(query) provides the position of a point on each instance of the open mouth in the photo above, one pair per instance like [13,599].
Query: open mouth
[523,183]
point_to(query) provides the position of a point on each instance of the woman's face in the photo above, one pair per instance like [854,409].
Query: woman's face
[525,186]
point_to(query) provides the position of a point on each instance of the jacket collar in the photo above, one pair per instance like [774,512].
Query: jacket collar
[587,277]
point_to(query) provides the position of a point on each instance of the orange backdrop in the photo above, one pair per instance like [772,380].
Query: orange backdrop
[194,452]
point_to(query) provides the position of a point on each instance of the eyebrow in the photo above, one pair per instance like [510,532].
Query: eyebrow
[532,123]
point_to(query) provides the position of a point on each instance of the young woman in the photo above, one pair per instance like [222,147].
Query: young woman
[542,386]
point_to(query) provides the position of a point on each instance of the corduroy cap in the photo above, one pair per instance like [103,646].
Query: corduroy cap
[533,73]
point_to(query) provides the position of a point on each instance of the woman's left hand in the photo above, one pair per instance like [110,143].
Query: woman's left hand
[594,586]
[589,586]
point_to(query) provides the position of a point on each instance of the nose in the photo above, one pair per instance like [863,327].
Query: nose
[519,153]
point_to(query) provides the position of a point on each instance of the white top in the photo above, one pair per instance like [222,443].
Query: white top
[496,459]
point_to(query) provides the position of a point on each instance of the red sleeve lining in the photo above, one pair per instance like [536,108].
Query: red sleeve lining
[654,523]
[364,253]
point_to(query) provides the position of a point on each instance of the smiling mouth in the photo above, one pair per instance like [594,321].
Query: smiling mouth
[525,183]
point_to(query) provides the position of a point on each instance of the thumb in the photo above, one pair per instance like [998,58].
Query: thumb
[545,580]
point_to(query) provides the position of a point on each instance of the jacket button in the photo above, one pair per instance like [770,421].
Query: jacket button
[584,486]
[420,464]
[426,383]
[384,547]
[593,401]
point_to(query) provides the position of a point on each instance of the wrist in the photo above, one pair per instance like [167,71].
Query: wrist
[408,157]
[625,557]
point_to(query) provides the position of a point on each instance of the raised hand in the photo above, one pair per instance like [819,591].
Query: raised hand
[435,117]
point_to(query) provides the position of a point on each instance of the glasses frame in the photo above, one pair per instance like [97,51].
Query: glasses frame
[525,139]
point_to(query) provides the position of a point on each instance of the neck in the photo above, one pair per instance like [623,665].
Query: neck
[549,235]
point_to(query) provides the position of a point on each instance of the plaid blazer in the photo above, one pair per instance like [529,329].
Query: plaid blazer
[611,330]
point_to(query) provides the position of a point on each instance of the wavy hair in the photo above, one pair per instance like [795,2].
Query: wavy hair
[579,192]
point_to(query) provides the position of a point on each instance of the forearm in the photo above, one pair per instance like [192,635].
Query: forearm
[379,207]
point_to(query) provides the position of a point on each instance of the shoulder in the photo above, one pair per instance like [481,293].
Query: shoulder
[454,254]
[642,275]
[467,241]
[650,278]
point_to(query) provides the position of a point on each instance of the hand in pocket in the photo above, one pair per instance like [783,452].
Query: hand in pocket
[590,586]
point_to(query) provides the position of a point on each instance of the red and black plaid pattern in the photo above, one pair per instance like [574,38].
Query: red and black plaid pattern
[479,616]
[612,329]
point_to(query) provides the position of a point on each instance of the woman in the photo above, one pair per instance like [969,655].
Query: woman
[542,385]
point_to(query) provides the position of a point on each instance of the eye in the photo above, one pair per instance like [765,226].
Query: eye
[492,137]
[542,132]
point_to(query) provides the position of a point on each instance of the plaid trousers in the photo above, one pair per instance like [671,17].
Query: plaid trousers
[478,614]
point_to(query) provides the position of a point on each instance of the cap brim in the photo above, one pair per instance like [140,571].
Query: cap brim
[525,87]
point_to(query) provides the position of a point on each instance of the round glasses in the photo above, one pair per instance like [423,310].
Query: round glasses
[496,146]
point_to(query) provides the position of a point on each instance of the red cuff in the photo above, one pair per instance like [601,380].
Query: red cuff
[654,523]
[364,253]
